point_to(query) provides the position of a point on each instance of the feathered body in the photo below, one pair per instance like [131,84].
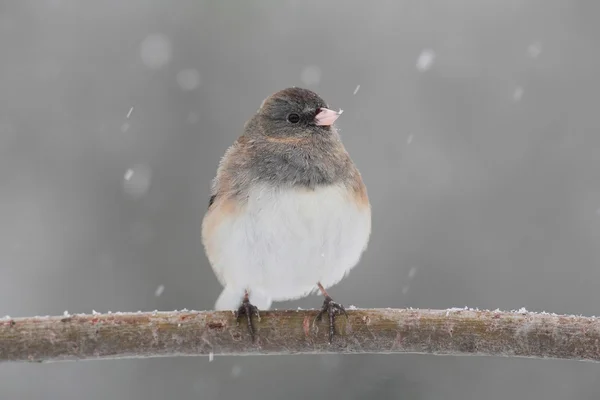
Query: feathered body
[288,208]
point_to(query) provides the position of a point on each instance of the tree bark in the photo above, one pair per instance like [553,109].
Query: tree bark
[179,333]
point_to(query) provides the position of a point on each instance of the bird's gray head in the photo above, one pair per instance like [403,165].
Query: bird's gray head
[295,113]
[292,140]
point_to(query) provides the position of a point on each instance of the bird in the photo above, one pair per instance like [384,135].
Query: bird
[289,214]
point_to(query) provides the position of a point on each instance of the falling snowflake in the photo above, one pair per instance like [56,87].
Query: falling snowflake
[534,49]
[425,60]
[518,93]
[412,272]
[136,180]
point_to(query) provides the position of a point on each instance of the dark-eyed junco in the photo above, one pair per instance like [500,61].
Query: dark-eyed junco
[289,212]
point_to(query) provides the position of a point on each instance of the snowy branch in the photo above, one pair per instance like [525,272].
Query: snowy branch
[187,333]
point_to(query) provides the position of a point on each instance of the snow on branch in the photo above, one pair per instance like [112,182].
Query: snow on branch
[187,333]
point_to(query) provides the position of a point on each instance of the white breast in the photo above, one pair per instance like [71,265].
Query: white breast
[287,240]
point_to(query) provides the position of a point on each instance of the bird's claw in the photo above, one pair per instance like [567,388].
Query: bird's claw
[246,308]
[332,309]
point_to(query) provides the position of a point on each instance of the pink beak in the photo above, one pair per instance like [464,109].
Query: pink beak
[327,117]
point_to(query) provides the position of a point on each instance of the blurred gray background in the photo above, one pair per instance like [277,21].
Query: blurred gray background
[474,126]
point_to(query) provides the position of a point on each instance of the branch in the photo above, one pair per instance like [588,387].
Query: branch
[187,333]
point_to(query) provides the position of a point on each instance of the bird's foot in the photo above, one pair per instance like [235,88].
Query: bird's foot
[332,309]
[248,309]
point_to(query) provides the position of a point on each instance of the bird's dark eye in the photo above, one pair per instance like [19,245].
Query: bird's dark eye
[293,118]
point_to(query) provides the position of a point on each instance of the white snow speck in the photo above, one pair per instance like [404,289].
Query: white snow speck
[410,138]
[129,113]
[518,93]
[6,317]
[211,356]
[159,290]
[155,51]
[66,313]
[188,79]
[534,49]
[311,75]
[236,371]
[522,310]
[356,90]
[352,307]
[137,180]
[425,60]
[322,254]
[412,272]
[94,312]
[128,174]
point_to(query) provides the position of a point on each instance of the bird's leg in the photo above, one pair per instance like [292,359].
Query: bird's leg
[246,308]
[331,308]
